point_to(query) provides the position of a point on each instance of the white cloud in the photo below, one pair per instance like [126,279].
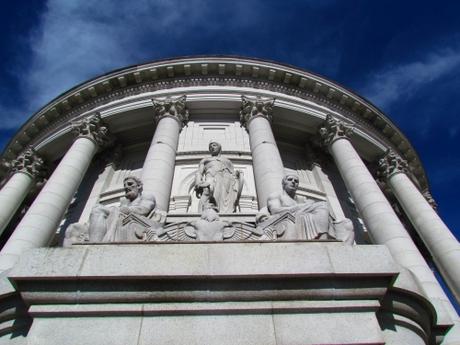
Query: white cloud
[77,40]
[400,82]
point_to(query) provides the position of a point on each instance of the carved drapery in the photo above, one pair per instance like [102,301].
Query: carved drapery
[256,106]
[172,107]
[333,129]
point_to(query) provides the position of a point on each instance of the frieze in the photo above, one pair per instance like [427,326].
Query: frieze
[299,85]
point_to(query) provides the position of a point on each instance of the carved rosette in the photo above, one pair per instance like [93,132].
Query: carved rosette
[29,162]
[333,129]
[93,128]
[172,107]
[391,164]
[255,106]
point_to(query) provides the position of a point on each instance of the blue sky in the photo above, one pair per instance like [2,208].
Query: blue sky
[404,56]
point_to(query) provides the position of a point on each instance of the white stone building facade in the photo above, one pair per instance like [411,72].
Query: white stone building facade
[75,153]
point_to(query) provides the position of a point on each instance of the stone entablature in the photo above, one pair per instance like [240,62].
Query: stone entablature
[217,71]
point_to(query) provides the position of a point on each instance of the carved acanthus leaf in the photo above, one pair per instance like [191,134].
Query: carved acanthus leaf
[428,197]
[29,162]
[391,164]
[333,129]
[92,127]
[256,106]
[173,107]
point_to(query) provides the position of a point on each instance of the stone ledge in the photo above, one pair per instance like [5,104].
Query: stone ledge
[194,260]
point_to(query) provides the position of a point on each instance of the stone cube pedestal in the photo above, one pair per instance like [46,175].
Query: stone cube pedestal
[220,293]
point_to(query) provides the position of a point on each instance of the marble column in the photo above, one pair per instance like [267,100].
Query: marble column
[437,237]
[256,116]
[171,115]
[39,224]
[381,221]
[26,169]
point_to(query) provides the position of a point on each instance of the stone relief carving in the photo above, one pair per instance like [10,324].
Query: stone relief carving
[256,106]
[333,129]
[92,127]
[128,222]
[208,228]
[289,217]
[174,107]
[217,184]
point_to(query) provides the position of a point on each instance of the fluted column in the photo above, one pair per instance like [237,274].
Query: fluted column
[256,116]
[381,221]
[437,237]
[26,169]
[39,224]
[158,170]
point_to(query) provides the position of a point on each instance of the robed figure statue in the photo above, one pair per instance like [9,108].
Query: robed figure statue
[217,184]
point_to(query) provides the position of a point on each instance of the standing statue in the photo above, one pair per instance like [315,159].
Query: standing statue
[116,224]
[217,184]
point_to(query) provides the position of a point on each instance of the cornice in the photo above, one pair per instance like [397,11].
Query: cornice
[217,71]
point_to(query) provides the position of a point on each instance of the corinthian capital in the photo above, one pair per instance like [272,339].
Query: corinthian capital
[92,127]
[333,129]
[173,107]
[391,164]
[428,197]
[257,106]
[29,162]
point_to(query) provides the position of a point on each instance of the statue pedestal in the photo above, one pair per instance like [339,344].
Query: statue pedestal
[221,293]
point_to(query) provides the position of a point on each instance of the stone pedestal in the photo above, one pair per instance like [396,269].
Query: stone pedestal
[218,293]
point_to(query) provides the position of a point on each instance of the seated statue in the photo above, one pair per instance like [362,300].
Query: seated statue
[292,218]
[217,184]
[127,222]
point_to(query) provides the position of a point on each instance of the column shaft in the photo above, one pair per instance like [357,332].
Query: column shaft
[158,169]
[383,224]
[441,243]
[40,222]
[12,195]
[266,160]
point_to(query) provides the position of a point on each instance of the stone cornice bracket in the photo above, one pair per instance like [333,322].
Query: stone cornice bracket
[391,164]
[93,128]
[255,106]
[333,129]
[171,107]
[29,162]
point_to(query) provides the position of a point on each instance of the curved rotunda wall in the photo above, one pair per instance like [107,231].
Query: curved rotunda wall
[306,125]
[299,94]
